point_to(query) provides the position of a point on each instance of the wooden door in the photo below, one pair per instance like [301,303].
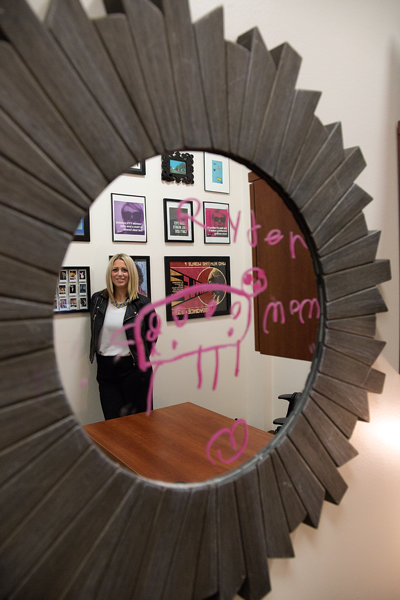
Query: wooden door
[287,312]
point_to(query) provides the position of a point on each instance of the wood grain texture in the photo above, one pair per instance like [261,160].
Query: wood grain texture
[44,203]
[42,477]
[232,568]
[33,232]
[316,138]
[318,459]
[13,309]
[275,524]
[362,303]
[182,571]
[24,153]
[161,544]
[46,523]
[61,82]
[237,64]
[117,39]
[148,29]
[26,336]
[365,325]
[257,582]
[84,585]
[340,416]
[187,76]
[338,365]
[299,122]
[357,253]
[207,574]
[26,281]
[334,188]
[326,161]
[32,415]
[356,279]
[287,63]
[294,508]
[361,348]
[82,532]
[78,38]
[339,222]
[375,381]
[354,230]
[336,444]
[28,376]
[15,457]
[311,492]
[350,397]
[210,44]
[259,84]
[22,98]
[123,557]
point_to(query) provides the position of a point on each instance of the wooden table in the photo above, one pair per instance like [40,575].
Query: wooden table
[170,444]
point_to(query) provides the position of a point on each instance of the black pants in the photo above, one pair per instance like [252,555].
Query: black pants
[123,387]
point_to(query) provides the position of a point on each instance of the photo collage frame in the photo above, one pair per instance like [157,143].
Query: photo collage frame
[73,290]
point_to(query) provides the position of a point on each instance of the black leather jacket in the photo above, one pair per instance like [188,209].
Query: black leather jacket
[98,309]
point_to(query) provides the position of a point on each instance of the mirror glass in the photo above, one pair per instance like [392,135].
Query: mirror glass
[234,382]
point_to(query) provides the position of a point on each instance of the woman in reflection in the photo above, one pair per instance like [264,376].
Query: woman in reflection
[123,386]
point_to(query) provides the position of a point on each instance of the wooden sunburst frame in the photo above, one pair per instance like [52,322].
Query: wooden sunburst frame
[81,101]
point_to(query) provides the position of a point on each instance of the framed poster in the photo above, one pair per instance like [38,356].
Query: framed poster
[181,272]
[143,268]
[177,166]
[138,169]
[73,290]
[82,232]
[216,173]
[216,221]
[176,230]
[128,218]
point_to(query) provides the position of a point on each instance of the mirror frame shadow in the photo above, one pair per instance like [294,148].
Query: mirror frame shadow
[80,102]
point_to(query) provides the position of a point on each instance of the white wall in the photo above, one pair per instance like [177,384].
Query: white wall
[351,51]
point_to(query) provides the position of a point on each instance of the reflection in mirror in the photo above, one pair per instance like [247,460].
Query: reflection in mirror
[233,393]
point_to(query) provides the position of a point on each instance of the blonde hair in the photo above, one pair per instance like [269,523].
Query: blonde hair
[133,281]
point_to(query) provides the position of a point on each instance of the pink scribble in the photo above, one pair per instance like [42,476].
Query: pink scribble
[252,232]
[231,434]
[255,278]
[293,238]
[277,307]
[297,307]
[184,217]
[235,226]
[83,382]
[273,237]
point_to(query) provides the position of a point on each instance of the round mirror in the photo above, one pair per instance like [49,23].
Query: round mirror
[213,372]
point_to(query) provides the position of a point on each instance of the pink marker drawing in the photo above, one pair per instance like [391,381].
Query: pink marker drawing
[255,279]
[231,433]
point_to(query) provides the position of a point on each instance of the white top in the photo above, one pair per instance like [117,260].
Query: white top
[113,320]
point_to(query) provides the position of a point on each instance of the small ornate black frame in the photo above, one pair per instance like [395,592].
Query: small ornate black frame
[184,177]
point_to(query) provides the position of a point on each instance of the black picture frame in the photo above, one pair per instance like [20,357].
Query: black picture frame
[179,270]
[129,218]
[82,232]
[143,266]
[138,169]
[177,166]
[73,290]
[175,230]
